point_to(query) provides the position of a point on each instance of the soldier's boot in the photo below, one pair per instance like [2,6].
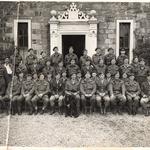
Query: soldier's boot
[30,110]
[52,110]
[1,107]
[66,111]
[146,112]
[19,108]
[104,110]
[134,110]
[35,110]
[13,108]
[60,110]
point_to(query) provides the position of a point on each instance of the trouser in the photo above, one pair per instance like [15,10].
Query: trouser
[72,104]
[91,101]
[28,101]
[117,102]
[102,102]
[43,99]
[132,103]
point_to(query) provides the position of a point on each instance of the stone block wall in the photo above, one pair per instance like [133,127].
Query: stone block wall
[107,15]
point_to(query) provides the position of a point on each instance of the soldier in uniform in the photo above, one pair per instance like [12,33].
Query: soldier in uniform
[72,97]
[132,94]
[87,67]
[101,67]
[30,61]
[88,89]
[70,56]
[13,93]
[142,72]
[42,61]
[121,57]
[60,68]
[108,57]
[125,77]
[79,76]
[85,58]
[35,77]
[3,84]
[108,77]
[94,75]
[28,91]
[48,69]
[96,57]
[72,68]
[64,77]
[56,57]
[145,100]
[117,94]
[102,93]
[126,67]
[135,66]
[21,68]
[41,94]
[113,68]
[57,90]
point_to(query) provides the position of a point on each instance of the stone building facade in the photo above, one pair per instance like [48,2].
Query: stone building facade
[131,20]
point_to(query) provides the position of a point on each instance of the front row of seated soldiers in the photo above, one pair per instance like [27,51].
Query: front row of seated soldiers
[73,94]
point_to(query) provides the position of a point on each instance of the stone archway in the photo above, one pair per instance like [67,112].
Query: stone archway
[73,22]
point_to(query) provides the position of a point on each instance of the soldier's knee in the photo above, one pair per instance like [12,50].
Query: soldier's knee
[98,98]
[82,97]
[34,99]
[136,98]
[107,98]
[77,96]
[52,98]
[144,100]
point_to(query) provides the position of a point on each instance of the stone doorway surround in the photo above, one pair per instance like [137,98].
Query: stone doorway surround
[73,22]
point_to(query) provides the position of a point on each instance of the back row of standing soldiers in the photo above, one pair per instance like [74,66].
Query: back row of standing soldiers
[102,79]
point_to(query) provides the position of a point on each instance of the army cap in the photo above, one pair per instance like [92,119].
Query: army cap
[31,49]
[122,50]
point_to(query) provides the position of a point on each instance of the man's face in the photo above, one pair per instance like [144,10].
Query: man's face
[43,54]
[60,64]
[73,76]
[41,77]
[6,60]
[124,76]
[102,76]
[87,63]
[142,62]
[98,50]
[101,61]
[56,50]
[87,75]
[136,60]
[79,75]
[113,61]
[131,78]
[108,75]
[35,76]
[29,78]
[85,53]
[64,74]
[126,61]
[31,52]
[111,51]
[94,74]
[117,76]
[48,63]
[57,76]
[122,53]
[72,62]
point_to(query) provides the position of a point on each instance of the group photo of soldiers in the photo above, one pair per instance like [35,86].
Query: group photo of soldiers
[72,86]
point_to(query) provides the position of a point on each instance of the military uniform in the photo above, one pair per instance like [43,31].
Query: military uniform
[70,57]
[120,59]
[117,94]
[72,100]
[134,69]
[83,60]
[48,70]
[56,58]
[132,94]
[30,59]
[125,68]
[101,68]
[16,99]
[102,94]
[27,92]
[60,70]
[142,73]
[96,57]
[86,69]
[112,69]
[145,100]
[88,87]
[108,57]
[18,59]
[41,93]
[72,69]
[57,93]
[42,63]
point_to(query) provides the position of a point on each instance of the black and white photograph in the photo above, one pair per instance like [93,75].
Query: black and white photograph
[74,74]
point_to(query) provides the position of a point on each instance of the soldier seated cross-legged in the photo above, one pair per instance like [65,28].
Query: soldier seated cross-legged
[41,94]
[57,94]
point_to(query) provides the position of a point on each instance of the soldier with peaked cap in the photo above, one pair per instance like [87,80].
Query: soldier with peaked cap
[57,93]
[72,68]
[28,91]
[132,94]
[102,93]
[101,67]
[113,68]
[145,100]
[135,66]
[108,57]
[121,57]
[30,59]
[41,93]
[88,89]
[72,96]
[97,56]
[85,58]
[117,94]
[60,68]
[71,55]
[56,57]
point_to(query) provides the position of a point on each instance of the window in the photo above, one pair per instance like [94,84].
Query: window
[22,35]
[124,36]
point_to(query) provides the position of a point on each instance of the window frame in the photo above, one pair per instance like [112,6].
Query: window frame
[131,43]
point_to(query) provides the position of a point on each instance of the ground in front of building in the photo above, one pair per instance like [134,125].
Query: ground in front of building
[92,130]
